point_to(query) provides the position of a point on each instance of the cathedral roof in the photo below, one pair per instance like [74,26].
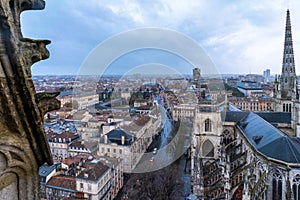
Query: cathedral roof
[268,140]
[276,117]
[233,116]
[271,117]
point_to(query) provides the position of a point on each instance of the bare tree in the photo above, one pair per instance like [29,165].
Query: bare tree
[164,184]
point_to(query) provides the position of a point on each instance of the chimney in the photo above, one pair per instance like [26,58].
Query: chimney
[105,139]
[123,140]
[86,175]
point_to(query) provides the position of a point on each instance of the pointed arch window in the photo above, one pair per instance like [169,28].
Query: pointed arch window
[208,149]
[296,186]
[207,125]
[277,186]
[227,137]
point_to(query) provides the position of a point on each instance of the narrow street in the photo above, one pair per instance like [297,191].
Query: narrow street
[172,144]
[164,155]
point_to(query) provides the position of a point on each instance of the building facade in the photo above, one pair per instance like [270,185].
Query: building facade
[82,177]
[94,182]
[59,143]
[132,139]
[45,174]
[250,88]
[196,74]
[183,110]
[61,187]
[263,103]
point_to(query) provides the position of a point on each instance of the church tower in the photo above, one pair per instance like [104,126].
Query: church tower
[285,85]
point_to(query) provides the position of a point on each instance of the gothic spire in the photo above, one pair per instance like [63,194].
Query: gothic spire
[288,74]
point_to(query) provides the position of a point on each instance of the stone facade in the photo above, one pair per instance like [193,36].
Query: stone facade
[286,93]
[101,180]
[183,111]
[253,104]
[239,155]
[23,146]
[285,84]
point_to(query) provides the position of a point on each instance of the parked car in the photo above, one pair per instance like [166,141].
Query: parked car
[154,151]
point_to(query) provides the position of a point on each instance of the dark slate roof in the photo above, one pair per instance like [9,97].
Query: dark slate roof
[276,117]
[283,149]
[271,117]
[115,136]
[68,92]
[74,92]
[268,140]
[45,170]
[233,108]
[233,116]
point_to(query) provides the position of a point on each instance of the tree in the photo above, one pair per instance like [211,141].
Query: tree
[235,91]
[164,184]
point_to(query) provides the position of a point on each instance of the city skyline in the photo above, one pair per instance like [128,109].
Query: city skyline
[133,135]
[248,40]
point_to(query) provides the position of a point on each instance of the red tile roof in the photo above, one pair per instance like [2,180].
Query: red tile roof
[63,181]
[76,159]
[65,135]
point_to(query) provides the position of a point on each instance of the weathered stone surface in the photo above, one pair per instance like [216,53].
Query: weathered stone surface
[47,101]
[23,145]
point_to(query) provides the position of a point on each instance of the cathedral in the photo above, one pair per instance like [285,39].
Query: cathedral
[286,93]
[245,155]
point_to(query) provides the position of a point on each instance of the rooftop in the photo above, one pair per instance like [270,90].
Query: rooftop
[115,136]
[83,144]
[64,137]
[76,159]
[63,182]
[268,140]
[45,170]
[249,85]
[271,117]
[94,171]
[59,126]
[109,161]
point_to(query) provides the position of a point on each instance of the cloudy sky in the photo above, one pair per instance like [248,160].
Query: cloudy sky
[239,36]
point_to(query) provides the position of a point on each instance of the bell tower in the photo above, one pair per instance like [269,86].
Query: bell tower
[285,85]
[288,73]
